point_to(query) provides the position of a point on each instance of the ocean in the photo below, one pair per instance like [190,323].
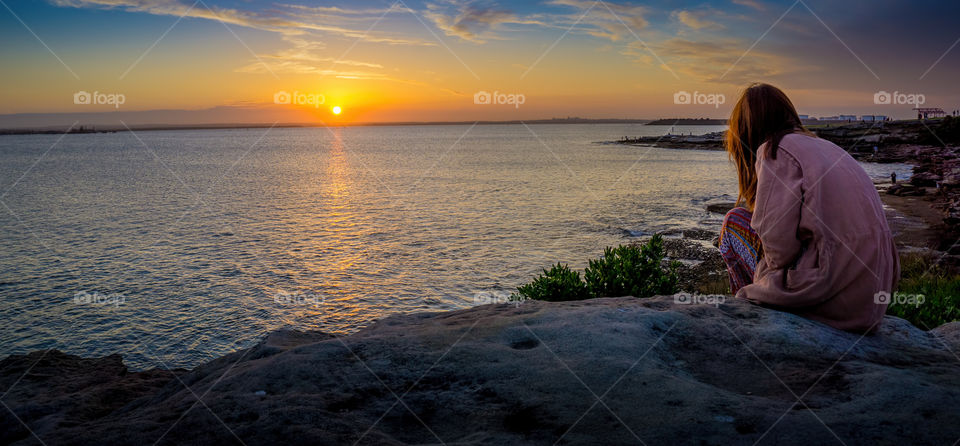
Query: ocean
[176,247]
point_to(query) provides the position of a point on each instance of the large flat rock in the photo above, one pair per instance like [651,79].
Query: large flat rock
[609,371]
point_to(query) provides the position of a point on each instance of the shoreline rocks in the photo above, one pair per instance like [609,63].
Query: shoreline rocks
[719,206]
[709,141]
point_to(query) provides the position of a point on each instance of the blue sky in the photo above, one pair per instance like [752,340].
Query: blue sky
[570,56]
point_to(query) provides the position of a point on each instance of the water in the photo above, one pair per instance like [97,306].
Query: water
[175,247]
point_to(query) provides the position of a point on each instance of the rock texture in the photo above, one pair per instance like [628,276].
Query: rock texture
[607,371]
[719,206]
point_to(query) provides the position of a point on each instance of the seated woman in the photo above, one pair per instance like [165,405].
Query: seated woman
[809,235]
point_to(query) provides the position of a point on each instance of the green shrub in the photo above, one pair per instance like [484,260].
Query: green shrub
[941,301]
[939,286]
[622,271]
[560,283]
[632,271]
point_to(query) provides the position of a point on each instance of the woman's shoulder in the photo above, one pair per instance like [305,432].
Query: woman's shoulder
[805,148]
[787,150]
[798,144]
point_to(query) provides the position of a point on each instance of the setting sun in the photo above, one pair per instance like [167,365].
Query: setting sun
[336,110]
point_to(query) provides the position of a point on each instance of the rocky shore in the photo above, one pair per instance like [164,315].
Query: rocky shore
[710,141]
[615,371]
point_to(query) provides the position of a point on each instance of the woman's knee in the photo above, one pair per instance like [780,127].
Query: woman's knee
[737,212]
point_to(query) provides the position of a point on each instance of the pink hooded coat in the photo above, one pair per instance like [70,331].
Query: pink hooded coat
[827,249]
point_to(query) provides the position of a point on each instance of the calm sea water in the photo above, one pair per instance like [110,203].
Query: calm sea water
[175,247]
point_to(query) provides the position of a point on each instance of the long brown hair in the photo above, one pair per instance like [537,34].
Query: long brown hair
[762,114]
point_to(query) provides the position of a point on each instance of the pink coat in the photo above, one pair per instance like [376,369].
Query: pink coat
[827,249]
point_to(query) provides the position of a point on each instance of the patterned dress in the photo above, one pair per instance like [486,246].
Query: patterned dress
[740,247]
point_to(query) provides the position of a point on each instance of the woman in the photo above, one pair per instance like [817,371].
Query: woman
[809,235]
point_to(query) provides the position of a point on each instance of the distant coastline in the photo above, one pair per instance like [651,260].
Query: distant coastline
[149,127]
[688,121]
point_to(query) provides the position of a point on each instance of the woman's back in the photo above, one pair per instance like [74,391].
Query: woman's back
[827,247]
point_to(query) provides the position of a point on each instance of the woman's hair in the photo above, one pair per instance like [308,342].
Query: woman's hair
[762,114]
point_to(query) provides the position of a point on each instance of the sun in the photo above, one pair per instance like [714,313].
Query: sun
[336,109]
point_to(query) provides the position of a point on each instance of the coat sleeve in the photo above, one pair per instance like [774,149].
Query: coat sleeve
[777,220]
[776,216]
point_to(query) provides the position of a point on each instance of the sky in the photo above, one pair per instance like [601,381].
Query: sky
[408,60]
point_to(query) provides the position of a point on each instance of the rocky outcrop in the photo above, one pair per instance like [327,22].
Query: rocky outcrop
[905,190]
[719,206]
[709,141]
[611,371]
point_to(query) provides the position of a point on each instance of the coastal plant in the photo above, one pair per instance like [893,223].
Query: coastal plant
[630,270]
[557,284]
[627,270]
[940,287]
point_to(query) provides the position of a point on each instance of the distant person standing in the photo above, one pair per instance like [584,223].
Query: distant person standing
[893,177]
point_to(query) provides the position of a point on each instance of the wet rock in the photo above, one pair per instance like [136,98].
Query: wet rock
[924,179]
[719,206]
[699,234]
[951,181]
[905,190]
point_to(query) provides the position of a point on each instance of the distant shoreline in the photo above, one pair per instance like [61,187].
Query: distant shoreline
[688,121]
[150,127]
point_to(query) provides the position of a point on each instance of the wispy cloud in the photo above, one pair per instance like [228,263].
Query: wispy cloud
[707,60]
[695,19]
[472,22]
[479,23]
[303,28]
[302,58]
[751,4]
[289,21]
[613,21]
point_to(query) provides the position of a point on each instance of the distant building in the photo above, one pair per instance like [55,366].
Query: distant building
[873,118]
[848,117]
[804,116]
[930,112]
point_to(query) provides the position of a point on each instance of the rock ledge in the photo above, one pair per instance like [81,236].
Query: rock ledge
[619,371]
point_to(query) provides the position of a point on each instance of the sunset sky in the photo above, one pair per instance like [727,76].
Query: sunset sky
[414,61]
